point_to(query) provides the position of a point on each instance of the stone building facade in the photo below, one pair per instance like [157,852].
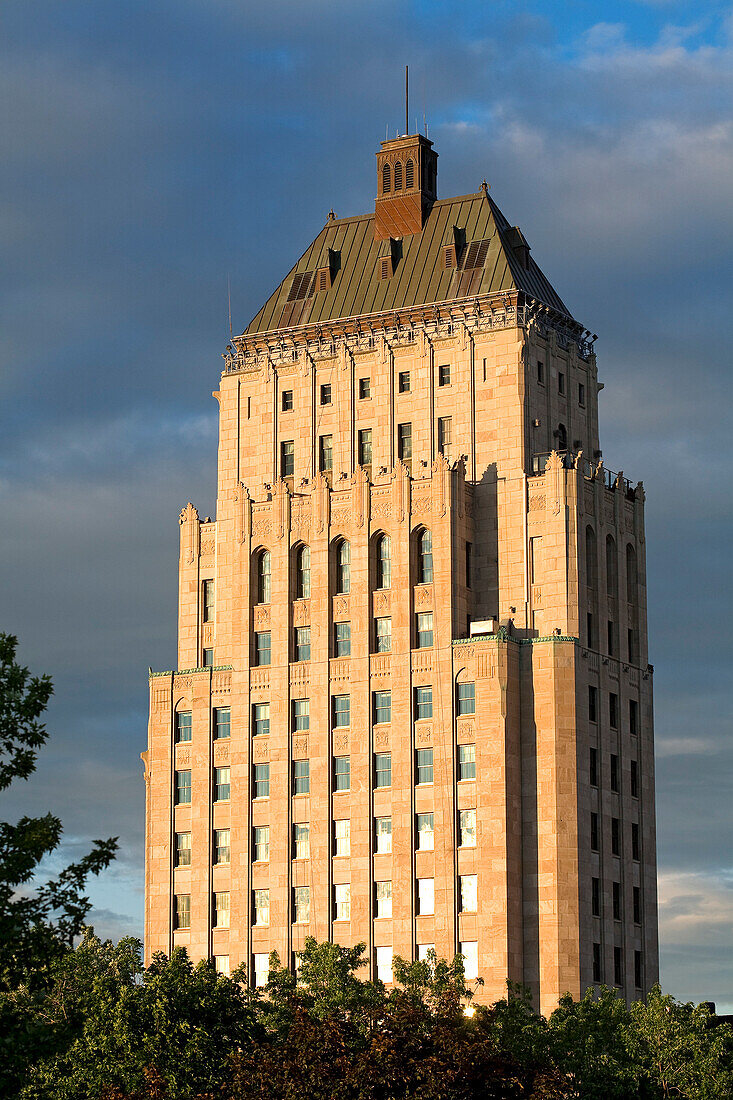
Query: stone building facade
[413,704]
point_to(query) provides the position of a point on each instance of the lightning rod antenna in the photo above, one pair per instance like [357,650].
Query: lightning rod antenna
[407,111]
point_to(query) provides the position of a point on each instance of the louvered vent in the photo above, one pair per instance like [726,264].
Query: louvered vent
[398,176]
[301,286]
[476,254]
[449,256]
[385,265]
[386,180]
[323,278]
[409,175]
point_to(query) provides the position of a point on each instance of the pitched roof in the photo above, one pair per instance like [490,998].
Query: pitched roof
[418,275]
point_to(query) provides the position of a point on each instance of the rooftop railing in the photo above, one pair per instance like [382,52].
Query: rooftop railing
[572,460]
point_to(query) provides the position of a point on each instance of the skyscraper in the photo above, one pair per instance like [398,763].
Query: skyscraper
[413,704]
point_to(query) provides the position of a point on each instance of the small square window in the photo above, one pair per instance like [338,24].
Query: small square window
[382,835]
[207,659]
[326,394]
[404,381]
[424,766]
[342,640]
[425,832]
[287,400]
[444,375]
[262,781]
[383,769]
[342,837]
[302,643]
[183,726]
[222,723]
[382,707]
[341,773]
[467,828]
[365,388]
[466,699]
[466,762]
[301,777]
[302,840]
[261,844]
[341,710]
[423,702]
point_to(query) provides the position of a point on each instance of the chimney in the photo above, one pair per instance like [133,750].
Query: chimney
[407,170]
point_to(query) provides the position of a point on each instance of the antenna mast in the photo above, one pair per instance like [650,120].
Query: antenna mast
[229,292]
[407,112]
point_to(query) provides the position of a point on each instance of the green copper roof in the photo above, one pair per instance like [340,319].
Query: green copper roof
[347,247]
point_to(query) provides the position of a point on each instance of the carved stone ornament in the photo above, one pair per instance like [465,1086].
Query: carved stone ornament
[381,601]
[261,749]
[208,634]
[381,739]
[190,533]
[424,736]
[536,502]
[261,615]
[183,683]
[261,530]
[424,596]
[465,729]
[341,606]
[341,743]
[208,546]
[301,612]
[221,754]
[183,756]
[300,748]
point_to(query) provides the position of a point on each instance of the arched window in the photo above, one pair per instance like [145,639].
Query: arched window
[424,557]
[611,567]
[303,573]
[398,176]
[343,566]
[384,562]
[562,437]
[591,567]
[386,181]
[630,574]
[409,175]
[264,577]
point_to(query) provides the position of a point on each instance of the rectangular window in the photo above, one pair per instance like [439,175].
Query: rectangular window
[613,710]
[302,643]
[425,896]
[261,906]
[383,769]
[183,726]
[594,833]
[287,400]
[594,767]
[261,969]
[465,699]
[617,901]
[590,630]
[262,781]
[618,968]
[301,904]
[300,712]
[634,779]
[222,723]
[614,772]
[263,644]
[424,766]
[301,840]
[222,846]
[597,974]
[469,893]
[595,897]
[469,555]
[221,965]
[207,600]
[633,717]
[383,631]
[404,381]
[383,899]
[340,710]
[638,970]
[444,374]
[183,788]
[535,558]
[221,909]
[183,850]
[581,395]
[469,950]
[287,458]
[342,901]
[365,447]
[637,905]
[445,435]
[423,702]
[467,828]
[325,453]
[635,843]
[342,837]
[615,836]
[182,915]
[383,963]
[631,641]
[592,703]
[611,647]
[560,382]
[341,773]
[425,832]
[365,388]
[261,844]
[342,639]
[301,776]
[261,719]
[222,784]
[466,761]
[540,372]
[423,950]
[207,659]
[326,394]
[382,835]
[424,629]
[404,442]
[382,707]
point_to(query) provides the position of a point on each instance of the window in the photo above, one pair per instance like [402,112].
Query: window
[263,643]
[343,567]
[222,784]
[221,909]
[325,453]
[383,960]
[444,375]
[365,447]
[261,719]
[383,631]
[303,573]
[261,845]
[287,400]
[594,834]
[207,661]
[469,555]
[633,717]
[383,899]
[365,388]
[562,437]
[398,176]
[634,779]
[540,372]
[300,714]
[221,965]
[302,840]
[593,767]
[614,772]
[425,832]
[469,950]
[341,773]
[635,843]
[409,175]
[261,906]
[261,969]
[183,850]
[342,901]
[386,179]
[301,904]
[262,781]
[630,574]
[301,776]
[617,901]
[466,762]
[638,970]
[342,640]
[182,915]
[591,561]
[592,703]
[424,629]
[637,905]
[424,557]
[424,765]
[590,630]
[287,458]
[383,769]
[467,828]
[581,395]
[423,702]
[595,897]
[326,394]
[207,600]
[613,710]
[597,974]
[403,382]
[183,726]
[560,382]
[384,561]
[302,643]
[618,970]
[222,846]
[341,710]
[382,835]
[611,567]
[611,640]
[425,896]
[222,723]
[469,893]
[382,706]
[404,442]
[183,788]
[423,950]
[342,837]
[466,699]
[631,642]
[615,836]
[445,434]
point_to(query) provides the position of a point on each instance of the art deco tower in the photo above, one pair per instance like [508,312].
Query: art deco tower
[413,704]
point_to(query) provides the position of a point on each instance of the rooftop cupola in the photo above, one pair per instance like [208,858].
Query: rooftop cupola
[407,172]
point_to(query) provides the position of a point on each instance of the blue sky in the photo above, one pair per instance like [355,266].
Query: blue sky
[151,150]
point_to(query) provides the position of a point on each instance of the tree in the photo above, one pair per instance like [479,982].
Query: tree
[587,1043]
